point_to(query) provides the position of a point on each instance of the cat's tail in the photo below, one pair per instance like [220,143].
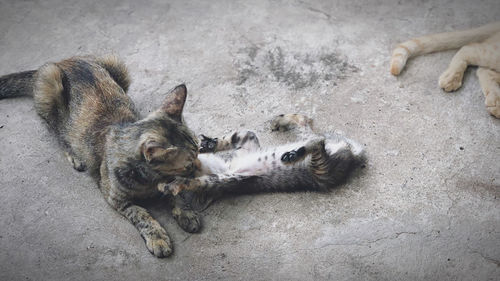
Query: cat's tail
[438,42]
[17,84]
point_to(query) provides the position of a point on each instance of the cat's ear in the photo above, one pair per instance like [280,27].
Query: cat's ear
[174,102]
[153,150]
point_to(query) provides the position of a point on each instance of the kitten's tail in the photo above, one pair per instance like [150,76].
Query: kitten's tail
[438,42]
[17,84]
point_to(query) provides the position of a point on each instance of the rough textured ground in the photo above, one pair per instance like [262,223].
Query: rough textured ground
[426,207]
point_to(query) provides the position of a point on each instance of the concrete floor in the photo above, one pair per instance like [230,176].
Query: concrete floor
[426,207]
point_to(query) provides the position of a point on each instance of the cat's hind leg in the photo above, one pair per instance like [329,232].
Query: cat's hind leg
[298,154]
[484,54]
[331,159]
[489,81]
[116,69]
[319,163]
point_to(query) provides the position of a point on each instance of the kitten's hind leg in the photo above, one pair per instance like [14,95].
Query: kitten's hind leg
[489,81]
[330,162]
[311,147]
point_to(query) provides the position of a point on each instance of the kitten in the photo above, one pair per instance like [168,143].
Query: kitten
[84,103]
[315,163]
[479,46]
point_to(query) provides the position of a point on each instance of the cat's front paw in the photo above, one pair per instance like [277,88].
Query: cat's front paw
[188,220]
[207,144]
[492,101]
[161,247]
[293,156]
[451,80]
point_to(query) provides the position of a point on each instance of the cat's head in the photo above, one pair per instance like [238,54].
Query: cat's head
[166,144]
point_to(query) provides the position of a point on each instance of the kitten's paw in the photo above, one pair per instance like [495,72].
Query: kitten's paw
[177,185]
[451,80]
[492,101]
[188,220]
[77,164]
[160,247]
[286,122]
[293,156]
[207,144]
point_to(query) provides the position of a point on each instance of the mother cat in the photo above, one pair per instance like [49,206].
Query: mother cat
[84,102]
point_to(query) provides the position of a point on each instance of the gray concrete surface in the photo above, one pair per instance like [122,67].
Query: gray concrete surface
[425,208]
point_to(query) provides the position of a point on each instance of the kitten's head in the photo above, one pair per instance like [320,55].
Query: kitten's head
[166,143]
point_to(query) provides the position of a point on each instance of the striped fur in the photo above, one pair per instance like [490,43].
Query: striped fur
[84,103]
[317,163]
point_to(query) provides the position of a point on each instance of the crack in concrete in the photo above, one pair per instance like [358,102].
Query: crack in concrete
[317,11]
[366,243]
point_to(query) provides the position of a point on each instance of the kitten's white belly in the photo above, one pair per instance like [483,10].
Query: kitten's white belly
[212,164]
[264,161]
[260,162]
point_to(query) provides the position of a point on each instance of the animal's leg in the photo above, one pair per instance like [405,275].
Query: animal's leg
[287,122]
[155,236]
[313,146]
[245,141]
[484,54]
[116,69]
[489,81]
[329,162]
[451,79]
[75,162]
[211,184]
[184,214]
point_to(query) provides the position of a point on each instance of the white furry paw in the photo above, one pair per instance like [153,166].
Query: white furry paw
[451,80]
[492,101]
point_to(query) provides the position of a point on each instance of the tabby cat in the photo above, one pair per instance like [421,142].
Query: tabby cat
[316,162]
[84,102]
[479,46]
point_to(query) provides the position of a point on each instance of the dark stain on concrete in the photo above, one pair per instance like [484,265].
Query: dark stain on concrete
[295,70]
